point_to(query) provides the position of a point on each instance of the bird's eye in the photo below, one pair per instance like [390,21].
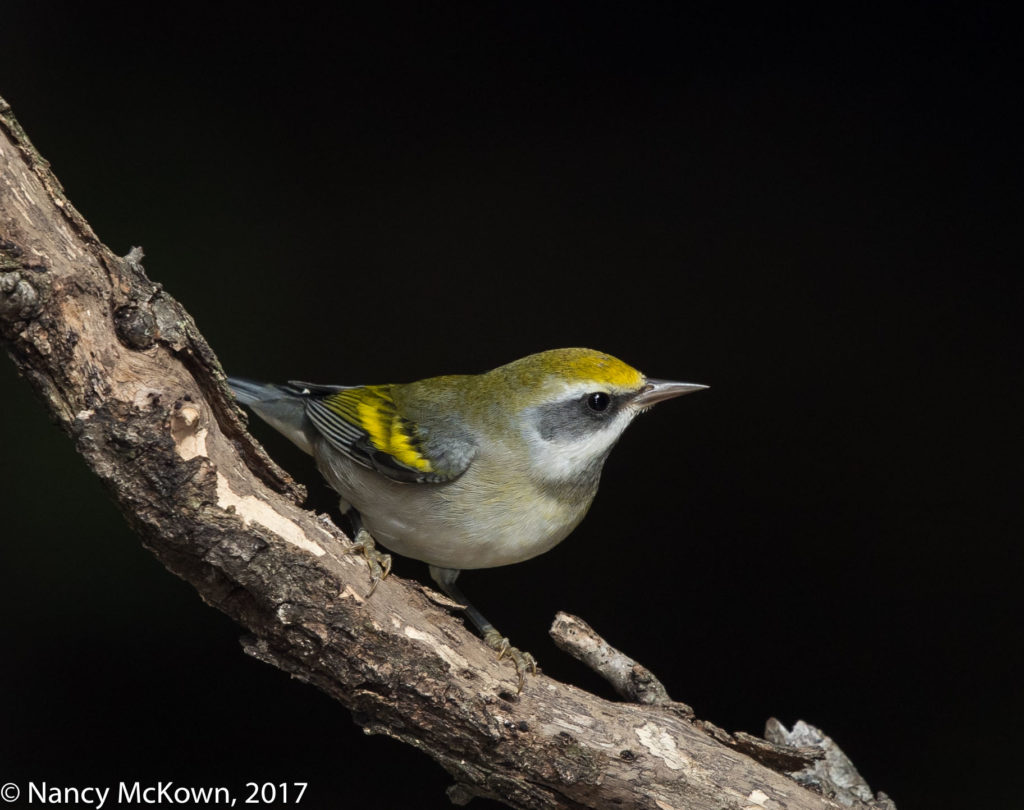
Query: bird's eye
[598,401]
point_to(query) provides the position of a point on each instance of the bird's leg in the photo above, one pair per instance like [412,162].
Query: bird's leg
[378,562]
[523,661]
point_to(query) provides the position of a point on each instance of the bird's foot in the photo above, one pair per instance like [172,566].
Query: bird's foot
[378,562]
[523,661]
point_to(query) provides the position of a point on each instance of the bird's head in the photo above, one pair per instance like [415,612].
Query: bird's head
[569,407]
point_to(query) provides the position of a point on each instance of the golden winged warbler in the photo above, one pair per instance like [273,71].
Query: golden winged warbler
[466,471]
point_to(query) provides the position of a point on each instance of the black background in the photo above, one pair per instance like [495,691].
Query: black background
[815,212]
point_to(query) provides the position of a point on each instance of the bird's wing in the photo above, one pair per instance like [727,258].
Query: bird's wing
[366,425]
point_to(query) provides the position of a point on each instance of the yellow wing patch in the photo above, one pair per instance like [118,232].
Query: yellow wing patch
[372,409]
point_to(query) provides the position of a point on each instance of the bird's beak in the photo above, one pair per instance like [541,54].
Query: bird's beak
[657,390]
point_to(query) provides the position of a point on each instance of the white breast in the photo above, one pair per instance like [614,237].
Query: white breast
[472,522]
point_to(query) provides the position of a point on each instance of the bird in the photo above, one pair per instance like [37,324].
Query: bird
[466,471]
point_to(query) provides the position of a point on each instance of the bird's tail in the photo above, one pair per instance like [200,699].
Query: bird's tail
[283,407]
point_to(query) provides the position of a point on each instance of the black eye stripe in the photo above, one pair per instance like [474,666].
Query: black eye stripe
[578,417]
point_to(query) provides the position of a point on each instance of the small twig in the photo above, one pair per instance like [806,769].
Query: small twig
[631,680]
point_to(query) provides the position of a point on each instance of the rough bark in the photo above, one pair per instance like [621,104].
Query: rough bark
[125,372]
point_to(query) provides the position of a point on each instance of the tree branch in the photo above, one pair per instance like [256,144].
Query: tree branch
[123,369]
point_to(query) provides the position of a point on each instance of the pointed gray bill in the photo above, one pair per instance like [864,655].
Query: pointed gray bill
[657,390]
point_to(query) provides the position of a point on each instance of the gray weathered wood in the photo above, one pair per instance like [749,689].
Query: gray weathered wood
[127,375]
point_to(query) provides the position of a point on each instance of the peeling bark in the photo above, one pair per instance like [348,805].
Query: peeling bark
[124,371]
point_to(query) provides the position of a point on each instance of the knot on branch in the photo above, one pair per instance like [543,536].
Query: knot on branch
[148,315]
[135,326]
[19,298]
